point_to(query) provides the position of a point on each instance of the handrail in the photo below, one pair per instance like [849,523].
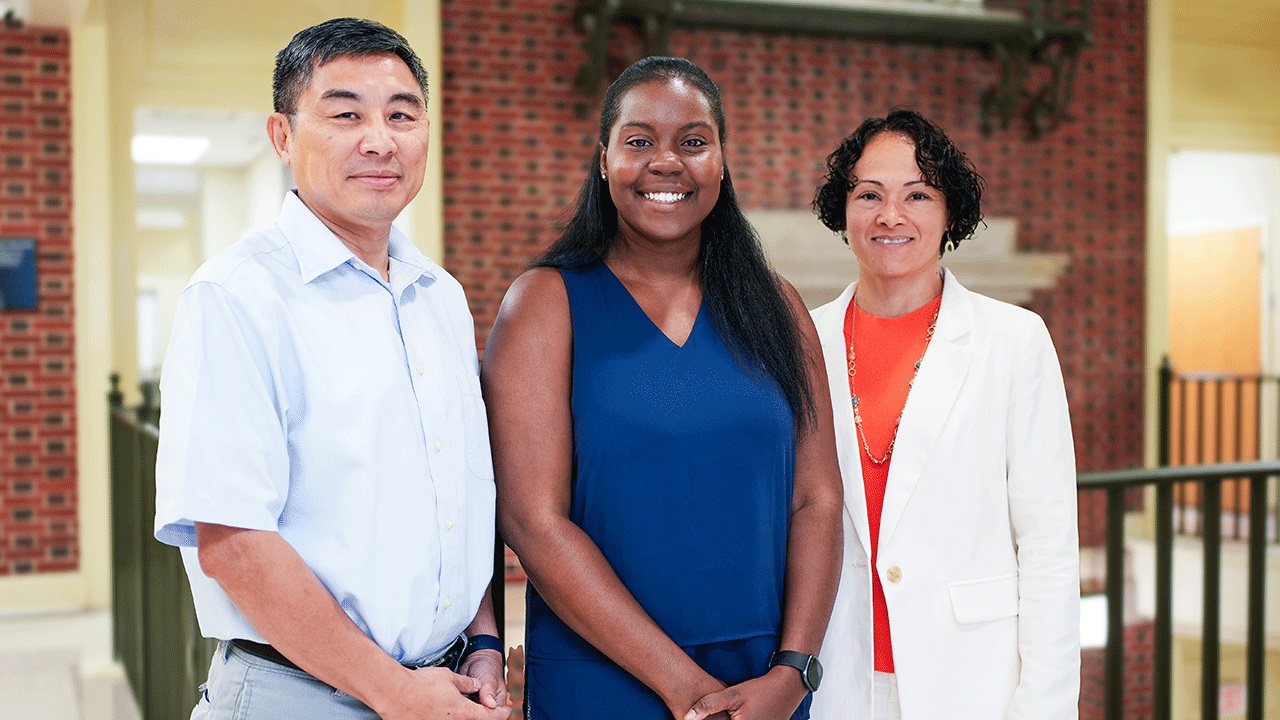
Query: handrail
[155,632]
[1117,484]
[1224,376]
[155,635]
[145,598]
[131,417]
[1138,477]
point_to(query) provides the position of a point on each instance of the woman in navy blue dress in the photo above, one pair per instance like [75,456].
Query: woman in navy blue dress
[663,470]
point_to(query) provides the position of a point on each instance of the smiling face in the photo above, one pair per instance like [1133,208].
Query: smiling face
[357,143]
[893,218]
[663,162]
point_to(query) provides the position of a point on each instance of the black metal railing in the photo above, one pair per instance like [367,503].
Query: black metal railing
[154,630]
[159,644]
[1257,477]
[155,633]
[1207,417]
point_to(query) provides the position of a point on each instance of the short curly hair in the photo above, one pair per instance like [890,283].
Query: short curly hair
[941,163]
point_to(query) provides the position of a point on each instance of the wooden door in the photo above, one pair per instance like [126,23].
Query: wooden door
[1215,330]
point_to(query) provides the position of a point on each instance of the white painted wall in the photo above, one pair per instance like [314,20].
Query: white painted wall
[266,185]
[165,263]
[232,202]
[1215,191]
[224,215]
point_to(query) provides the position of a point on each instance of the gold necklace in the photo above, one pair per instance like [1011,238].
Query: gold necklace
[853,369]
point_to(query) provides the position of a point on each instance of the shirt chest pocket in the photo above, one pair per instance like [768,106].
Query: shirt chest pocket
[475,428]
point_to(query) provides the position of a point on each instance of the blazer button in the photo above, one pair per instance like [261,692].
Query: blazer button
[895,574]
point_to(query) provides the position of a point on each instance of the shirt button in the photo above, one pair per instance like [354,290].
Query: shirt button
[449,524]
[448,603]
[895,574]
[419,369]
[439,445]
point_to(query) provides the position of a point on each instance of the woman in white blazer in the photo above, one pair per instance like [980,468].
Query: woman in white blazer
[976,556]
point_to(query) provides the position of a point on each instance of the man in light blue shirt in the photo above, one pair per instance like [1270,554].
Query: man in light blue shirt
[324,454]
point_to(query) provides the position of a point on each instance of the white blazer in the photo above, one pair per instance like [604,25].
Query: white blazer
[979,527]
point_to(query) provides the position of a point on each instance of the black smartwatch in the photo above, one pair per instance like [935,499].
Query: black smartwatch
[808,665]
[476,643]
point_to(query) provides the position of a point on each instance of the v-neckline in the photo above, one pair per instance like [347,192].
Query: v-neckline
[697,319]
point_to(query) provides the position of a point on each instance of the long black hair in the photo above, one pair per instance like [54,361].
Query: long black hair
[741,292]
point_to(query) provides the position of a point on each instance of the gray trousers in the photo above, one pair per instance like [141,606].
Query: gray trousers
[245,687]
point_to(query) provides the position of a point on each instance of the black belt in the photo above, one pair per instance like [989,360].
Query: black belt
[450,659]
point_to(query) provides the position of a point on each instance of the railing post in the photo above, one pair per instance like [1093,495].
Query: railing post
[1162,643]
[1086,20]
[1162,651]
[1211,635]
[1115,605]
[1037,21]
[1255,635]
[115,398]
[127,598]
[1164,411]
[147,392]
[149,410]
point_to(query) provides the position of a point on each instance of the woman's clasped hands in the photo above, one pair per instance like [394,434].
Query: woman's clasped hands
[772,696]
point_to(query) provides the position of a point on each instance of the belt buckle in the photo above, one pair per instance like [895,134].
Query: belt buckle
[449,658]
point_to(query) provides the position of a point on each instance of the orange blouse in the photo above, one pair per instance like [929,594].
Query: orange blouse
[886,351]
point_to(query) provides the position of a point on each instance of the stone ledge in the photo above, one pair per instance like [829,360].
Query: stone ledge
[820,265]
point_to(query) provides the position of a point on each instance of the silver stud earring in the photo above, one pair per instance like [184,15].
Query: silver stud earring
[603,176]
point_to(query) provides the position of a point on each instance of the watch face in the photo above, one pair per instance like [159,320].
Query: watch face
[813,673]
[807,665]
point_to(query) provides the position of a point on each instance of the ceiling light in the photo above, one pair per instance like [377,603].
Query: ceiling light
[168,149]
[161,219]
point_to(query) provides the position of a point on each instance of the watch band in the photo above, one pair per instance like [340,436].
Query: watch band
[808,666]
[476,643]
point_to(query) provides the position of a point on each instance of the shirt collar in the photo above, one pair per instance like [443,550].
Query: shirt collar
[319,250]
[419,266]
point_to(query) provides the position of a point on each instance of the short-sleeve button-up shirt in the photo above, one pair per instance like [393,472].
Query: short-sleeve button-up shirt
[304,395]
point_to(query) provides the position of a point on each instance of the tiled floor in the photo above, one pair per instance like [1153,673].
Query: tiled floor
[58,667]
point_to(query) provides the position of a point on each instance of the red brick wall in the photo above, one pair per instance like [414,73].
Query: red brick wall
[37,395]
[516,154]
[1139,680]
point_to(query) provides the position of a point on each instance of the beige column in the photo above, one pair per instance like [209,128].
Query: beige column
[125,25]
[424,218]
[224,207]
[1159,121]
[1156,321]
[92,233]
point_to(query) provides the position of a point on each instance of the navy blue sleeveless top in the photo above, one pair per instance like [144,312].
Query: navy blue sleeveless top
[684,462]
